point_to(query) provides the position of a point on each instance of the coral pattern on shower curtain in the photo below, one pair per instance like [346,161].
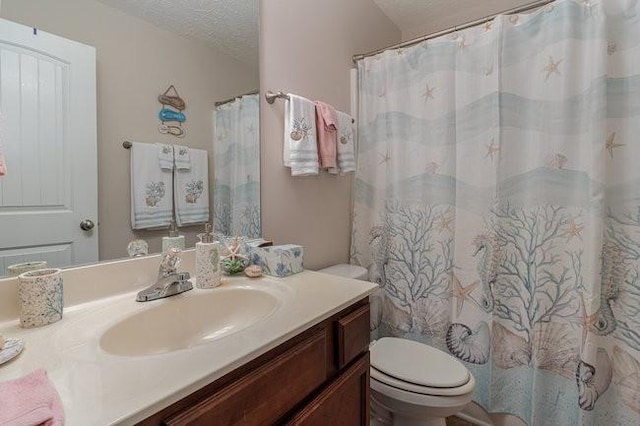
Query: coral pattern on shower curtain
[236,193]
[497,204]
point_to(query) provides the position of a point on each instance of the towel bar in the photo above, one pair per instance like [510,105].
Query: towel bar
[271,98]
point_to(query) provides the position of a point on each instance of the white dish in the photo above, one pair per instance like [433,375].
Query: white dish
[12,347]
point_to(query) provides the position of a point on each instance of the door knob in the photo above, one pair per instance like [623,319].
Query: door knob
[87,225]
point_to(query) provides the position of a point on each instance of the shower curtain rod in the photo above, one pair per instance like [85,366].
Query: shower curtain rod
[226,101]
[520,9]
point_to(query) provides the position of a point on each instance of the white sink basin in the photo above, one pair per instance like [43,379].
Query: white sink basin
[180,322]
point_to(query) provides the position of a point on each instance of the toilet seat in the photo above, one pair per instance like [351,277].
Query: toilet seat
[378,376]
[416,367]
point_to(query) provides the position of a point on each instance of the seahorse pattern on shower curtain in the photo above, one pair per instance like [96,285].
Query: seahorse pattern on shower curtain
[497,204]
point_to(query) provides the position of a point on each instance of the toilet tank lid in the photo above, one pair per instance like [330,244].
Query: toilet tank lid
[348,271]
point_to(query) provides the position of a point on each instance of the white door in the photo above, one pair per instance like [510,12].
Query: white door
[48,131]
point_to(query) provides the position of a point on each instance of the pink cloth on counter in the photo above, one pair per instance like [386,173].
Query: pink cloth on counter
[327,128]
[3,163]
[30,400]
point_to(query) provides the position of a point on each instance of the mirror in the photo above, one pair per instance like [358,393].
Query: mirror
[208,50]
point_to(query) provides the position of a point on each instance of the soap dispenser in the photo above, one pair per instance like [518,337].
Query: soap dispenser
[208,271]
[174,240]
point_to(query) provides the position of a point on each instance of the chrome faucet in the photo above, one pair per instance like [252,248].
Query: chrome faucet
[170,281]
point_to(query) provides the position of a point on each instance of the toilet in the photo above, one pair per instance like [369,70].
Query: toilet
[412,384]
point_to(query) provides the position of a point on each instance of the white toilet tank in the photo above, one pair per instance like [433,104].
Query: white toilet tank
[348,271]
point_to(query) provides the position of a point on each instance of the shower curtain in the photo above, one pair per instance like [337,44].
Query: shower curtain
[236,196]
[497,204]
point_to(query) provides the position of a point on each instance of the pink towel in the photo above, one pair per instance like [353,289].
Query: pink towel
[3,163]
[30,400]
[327,126]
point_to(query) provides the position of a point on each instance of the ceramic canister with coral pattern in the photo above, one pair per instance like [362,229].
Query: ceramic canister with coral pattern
[40,294]
[21,268]
[208,270]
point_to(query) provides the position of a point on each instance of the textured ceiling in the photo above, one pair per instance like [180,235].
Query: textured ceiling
[419,17]
[230,26]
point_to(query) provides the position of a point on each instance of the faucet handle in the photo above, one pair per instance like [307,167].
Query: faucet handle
[183,276]
[169,262]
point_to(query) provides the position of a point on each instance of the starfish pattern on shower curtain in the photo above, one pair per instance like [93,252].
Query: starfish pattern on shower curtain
[428,92]
[611,144]
[552,68]
[385,158]
[444,222]
[588,321]
[575,230]
[547,226]
[461,293]
[492,149]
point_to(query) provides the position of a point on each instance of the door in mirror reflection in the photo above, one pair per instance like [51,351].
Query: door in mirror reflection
[48,197]
[236,203]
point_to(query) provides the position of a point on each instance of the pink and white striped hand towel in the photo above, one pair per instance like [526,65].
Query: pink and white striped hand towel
[3,162]
[327,126]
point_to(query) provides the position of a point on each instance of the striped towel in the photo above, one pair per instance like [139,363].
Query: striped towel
[300,138]
[151,190]
[346,144]
[192,190]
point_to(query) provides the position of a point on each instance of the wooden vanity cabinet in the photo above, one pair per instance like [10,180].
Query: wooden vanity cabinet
[319,377]
[345,401]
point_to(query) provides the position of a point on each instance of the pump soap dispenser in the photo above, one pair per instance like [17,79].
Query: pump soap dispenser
[208,271]
[174,240]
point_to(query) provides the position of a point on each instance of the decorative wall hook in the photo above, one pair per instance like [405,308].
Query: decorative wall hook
[174,101]
[166,114]
[171,99]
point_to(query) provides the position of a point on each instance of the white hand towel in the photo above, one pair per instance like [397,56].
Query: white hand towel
[183,159]
[346,143]
[300,146]
[192,190]
[165,156]
[151,191]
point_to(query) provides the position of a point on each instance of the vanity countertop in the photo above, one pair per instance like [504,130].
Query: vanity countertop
[98,388]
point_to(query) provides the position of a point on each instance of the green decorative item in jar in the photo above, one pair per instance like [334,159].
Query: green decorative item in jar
[233,261]
[233,266]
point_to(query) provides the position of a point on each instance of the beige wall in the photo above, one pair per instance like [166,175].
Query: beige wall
[453,14]
[306,48]
[136,62]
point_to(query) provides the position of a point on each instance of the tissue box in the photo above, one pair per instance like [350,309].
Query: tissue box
[279,261]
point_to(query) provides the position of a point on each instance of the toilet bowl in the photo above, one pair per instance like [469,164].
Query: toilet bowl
[412,384]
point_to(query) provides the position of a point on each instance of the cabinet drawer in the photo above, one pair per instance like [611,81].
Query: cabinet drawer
[265,394]
[344,402]
[353,335]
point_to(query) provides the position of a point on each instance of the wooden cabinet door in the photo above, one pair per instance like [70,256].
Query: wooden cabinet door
[353,335]
[344,402]
[264,395]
